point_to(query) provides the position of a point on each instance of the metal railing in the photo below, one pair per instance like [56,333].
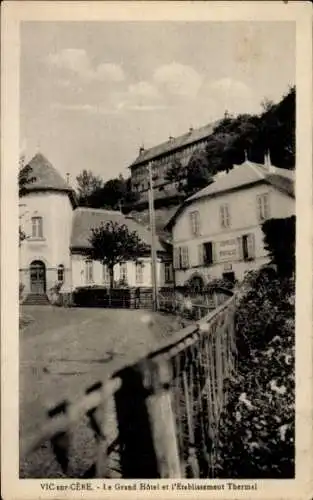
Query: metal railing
[166,408]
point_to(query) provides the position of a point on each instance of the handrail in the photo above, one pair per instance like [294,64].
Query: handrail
[192,366]
[61,422]
[190,330]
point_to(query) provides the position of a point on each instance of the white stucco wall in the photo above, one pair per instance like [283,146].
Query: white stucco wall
[53,248]
[79,277]
[243,220]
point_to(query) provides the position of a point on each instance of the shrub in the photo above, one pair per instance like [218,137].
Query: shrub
[21,291]
[100,296]
[279,240]
[257,427]
[90,296]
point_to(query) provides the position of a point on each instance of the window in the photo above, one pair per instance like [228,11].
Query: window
[181,258]
[89,271]
[123,271]
[263,207]
[248,247]
[195,223]
[105,274]
[225,216]
[184,258]
[61,272]
[139,272]
[208,253]
[37,231]
[168,272]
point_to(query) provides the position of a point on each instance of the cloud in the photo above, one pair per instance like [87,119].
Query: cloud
[78,62]
[144,89]
[141,96]
[84,108]
[231,95]
[178,79]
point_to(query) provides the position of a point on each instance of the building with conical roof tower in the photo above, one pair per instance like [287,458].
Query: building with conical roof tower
[46,213]
[55,249]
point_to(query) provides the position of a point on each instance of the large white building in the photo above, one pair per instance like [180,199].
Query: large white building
[57,231]
[217,231]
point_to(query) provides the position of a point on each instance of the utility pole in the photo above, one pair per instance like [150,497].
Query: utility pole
[153,243]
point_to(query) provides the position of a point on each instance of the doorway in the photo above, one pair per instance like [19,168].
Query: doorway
[230,276]
[37,277]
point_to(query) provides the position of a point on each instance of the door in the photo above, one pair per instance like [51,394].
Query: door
[229,276]
[37,277]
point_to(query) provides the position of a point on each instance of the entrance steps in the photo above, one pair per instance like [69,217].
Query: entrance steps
[36,299]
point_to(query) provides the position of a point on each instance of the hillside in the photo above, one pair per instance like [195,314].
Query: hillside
[162,216]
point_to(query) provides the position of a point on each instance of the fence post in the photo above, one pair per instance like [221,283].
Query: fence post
[162,421]
[146,423]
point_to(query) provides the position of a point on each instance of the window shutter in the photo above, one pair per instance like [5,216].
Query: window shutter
[251,246]
[240,247]
[227,215]
[266,207]
[214,252]
[200,254]
[258,207]
[186,258]
[222,215]
[176,258]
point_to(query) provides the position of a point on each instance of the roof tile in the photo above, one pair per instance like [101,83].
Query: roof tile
[85,219]
[175,143]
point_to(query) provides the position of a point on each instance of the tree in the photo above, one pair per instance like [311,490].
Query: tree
[279,240]
[176,174]
[25,178]
[198,173]
[89,186]
[113,243]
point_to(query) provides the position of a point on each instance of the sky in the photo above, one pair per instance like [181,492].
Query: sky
[92,93]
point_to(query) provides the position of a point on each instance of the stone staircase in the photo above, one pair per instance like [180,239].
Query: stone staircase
[36,299]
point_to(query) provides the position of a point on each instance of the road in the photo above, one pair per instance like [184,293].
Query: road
[62,351]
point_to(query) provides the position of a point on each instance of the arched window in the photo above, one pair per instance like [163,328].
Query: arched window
[61,272]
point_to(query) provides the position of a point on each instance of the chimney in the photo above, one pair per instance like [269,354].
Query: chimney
[171,138]
[67,178]
[267,162]
[190,130]
[141,150]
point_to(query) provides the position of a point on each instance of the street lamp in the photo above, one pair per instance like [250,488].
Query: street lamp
[153,242]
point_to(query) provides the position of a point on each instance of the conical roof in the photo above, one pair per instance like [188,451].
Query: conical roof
[46,177]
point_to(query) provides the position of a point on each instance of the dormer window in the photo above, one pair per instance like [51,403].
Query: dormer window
[37,227]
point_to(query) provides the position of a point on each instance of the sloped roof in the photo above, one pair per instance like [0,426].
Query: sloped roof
[85,219]
[47,178]
[244,174]
[241,176]
[190,137]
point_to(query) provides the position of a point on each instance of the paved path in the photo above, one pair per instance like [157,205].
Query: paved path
[62,351]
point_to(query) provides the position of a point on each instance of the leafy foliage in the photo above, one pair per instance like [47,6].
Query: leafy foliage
[89,186]
[273,130]
[176,174]
[198,174]
[257,428]
[112,243]
[25,178]
[279,239]
[113,194]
